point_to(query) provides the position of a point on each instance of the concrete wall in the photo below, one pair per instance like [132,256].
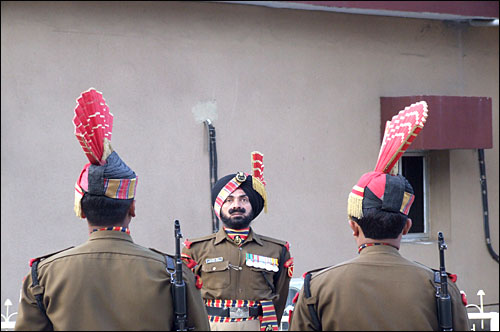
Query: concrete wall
[302,87]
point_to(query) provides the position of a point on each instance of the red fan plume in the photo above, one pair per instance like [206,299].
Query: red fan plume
[93,126]
[399,133]
[258,166]
[258,182]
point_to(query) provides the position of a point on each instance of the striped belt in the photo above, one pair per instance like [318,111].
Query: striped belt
[235,312]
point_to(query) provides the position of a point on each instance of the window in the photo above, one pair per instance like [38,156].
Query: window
[413,166]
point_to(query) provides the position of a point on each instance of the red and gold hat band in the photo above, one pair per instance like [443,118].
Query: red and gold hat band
[227,190]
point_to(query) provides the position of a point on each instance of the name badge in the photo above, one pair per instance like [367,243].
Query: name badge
[214,260]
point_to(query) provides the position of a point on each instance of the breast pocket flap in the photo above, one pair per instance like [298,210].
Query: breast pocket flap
[215,267]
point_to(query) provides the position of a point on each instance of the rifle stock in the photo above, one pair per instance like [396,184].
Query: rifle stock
[179,286]
[443,297]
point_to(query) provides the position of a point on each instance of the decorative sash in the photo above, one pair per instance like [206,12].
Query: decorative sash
[227,304]
[268,321]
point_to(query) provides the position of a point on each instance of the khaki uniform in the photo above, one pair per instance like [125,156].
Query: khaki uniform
[225,275]
[107,283]
[379,290]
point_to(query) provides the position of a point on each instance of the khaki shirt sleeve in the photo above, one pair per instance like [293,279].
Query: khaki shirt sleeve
[196,312]
[30,317]
[460,317]
[301,319]
[281,286]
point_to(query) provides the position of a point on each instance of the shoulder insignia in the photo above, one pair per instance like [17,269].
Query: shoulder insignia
[46,256]
[289,265]
[187,243]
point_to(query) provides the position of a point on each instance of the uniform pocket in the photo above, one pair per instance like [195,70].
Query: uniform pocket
[261,279]
[216,275]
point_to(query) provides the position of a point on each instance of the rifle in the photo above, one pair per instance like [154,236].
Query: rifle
[443,297]
[179,286]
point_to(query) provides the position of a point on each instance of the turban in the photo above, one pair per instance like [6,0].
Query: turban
[386,192]
[106,174]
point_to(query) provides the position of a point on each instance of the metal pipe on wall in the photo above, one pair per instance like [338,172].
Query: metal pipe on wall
[212,151]
[484,195]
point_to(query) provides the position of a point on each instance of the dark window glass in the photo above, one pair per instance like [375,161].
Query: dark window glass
[413,170]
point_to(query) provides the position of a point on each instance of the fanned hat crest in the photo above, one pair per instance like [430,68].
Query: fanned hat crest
[399,133]
[258,183]
[382,188]
[253,185]
[93,126]
[106,174]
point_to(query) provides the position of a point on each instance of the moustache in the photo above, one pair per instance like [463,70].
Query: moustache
[234,210]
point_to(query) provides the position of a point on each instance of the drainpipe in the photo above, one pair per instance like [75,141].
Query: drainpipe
[212,151]
[484,194]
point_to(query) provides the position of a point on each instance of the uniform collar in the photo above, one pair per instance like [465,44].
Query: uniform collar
[379,249]
[221,235]
[99,235]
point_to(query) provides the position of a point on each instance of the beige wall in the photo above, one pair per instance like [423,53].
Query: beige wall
[303,87]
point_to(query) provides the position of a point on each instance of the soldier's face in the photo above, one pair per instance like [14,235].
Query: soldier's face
[236,212]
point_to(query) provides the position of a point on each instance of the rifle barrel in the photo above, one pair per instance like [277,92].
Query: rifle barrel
[180,306]
[444,301]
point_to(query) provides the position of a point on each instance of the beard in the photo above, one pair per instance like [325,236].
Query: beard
[238,221]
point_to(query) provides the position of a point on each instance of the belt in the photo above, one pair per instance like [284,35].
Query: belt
[235,312]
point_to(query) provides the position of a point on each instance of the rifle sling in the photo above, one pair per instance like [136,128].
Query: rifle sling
[170,263]
[39,297]
[307,292]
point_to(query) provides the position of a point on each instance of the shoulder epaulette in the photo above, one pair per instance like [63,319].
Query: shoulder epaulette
[273,240]
[321,269]
[37,259]
[188,242]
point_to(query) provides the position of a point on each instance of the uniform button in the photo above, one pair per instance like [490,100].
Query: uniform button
[214,268]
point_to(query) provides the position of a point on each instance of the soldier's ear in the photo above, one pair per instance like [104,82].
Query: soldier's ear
[131,209]
[407,227]
[355,227]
